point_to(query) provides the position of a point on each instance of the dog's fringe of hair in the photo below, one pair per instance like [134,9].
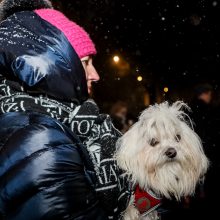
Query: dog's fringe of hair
[179,108]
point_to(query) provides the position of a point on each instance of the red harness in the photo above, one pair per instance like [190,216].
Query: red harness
[145,202]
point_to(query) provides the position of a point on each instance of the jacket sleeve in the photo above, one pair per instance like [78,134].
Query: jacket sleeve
[42,176]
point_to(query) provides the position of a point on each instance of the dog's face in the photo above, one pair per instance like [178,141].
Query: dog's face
[162,153]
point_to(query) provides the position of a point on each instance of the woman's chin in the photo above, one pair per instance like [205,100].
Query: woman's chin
[89,90]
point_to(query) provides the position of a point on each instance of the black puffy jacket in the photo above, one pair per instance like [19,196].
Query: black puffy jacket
[43,171]
[39,56]
[43,174]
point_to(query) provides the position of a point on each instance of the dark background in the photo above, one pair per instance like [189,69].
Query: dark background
[171,43]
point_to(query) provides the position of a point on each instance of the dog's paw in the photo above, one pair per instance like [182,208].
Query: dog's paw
[151,216]
[131,213]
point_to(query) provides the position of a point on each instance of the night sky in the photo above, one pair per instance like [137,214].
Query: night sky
[168,42]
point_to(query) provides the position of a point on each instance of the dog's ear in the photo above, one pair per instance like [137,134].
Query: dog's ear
[127,147]
[9,7]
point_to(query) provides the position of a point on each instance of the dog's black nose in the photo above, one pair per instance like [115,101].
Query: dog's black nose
[171,152]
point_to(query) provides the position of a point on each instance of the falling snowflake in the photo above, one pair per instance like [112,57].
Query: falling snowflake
[138,53]
[214,4]
[216,87]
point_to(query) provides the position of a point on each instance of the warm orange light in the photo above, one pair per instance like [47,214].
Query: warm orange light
[116,59]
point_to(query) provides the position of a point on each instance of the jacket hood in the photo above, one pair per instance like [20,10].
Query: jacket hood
[9,7]
[39,56]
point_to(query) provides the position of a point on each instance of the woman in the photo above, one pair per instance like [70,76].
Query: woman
[55,147]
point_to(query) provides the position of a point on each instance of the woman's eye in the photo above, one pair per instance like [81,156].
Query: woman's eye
[86,62]
[154,142]
[178,137]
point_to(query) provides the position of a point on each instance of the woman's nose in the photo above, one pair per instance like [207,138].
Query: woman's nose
[93,75]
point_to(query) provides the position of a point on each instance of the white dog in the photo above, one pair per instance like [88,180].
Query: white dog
[161,154]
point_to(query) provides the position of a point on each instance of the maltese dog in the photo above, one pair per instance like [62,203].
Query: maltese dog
[162,157]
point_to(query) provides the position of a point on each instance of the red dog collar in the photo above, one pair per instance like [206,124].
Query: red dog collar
[145,202]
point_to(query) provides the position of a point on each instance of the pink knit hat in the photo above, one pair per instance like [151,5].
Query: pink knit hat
[76,35]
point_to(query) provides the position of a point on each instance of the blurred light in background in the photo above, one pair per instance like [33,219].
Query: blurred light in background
[166,89]
[116,59]
[139,78]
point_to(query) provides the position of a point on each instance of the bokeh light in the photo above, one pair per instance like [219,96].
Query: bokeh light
[139,78]
[166,89]
[116,59]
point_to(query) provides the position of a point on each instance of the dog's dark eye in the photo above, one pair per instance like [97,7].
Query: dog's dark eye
[154,142]
[178,137]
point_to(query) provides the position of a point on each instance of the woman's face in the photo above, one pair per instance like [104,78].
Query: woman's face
[91,73]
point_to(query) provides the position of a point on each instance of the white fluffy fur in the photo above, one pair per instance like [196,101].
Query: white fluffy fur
[149,166]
